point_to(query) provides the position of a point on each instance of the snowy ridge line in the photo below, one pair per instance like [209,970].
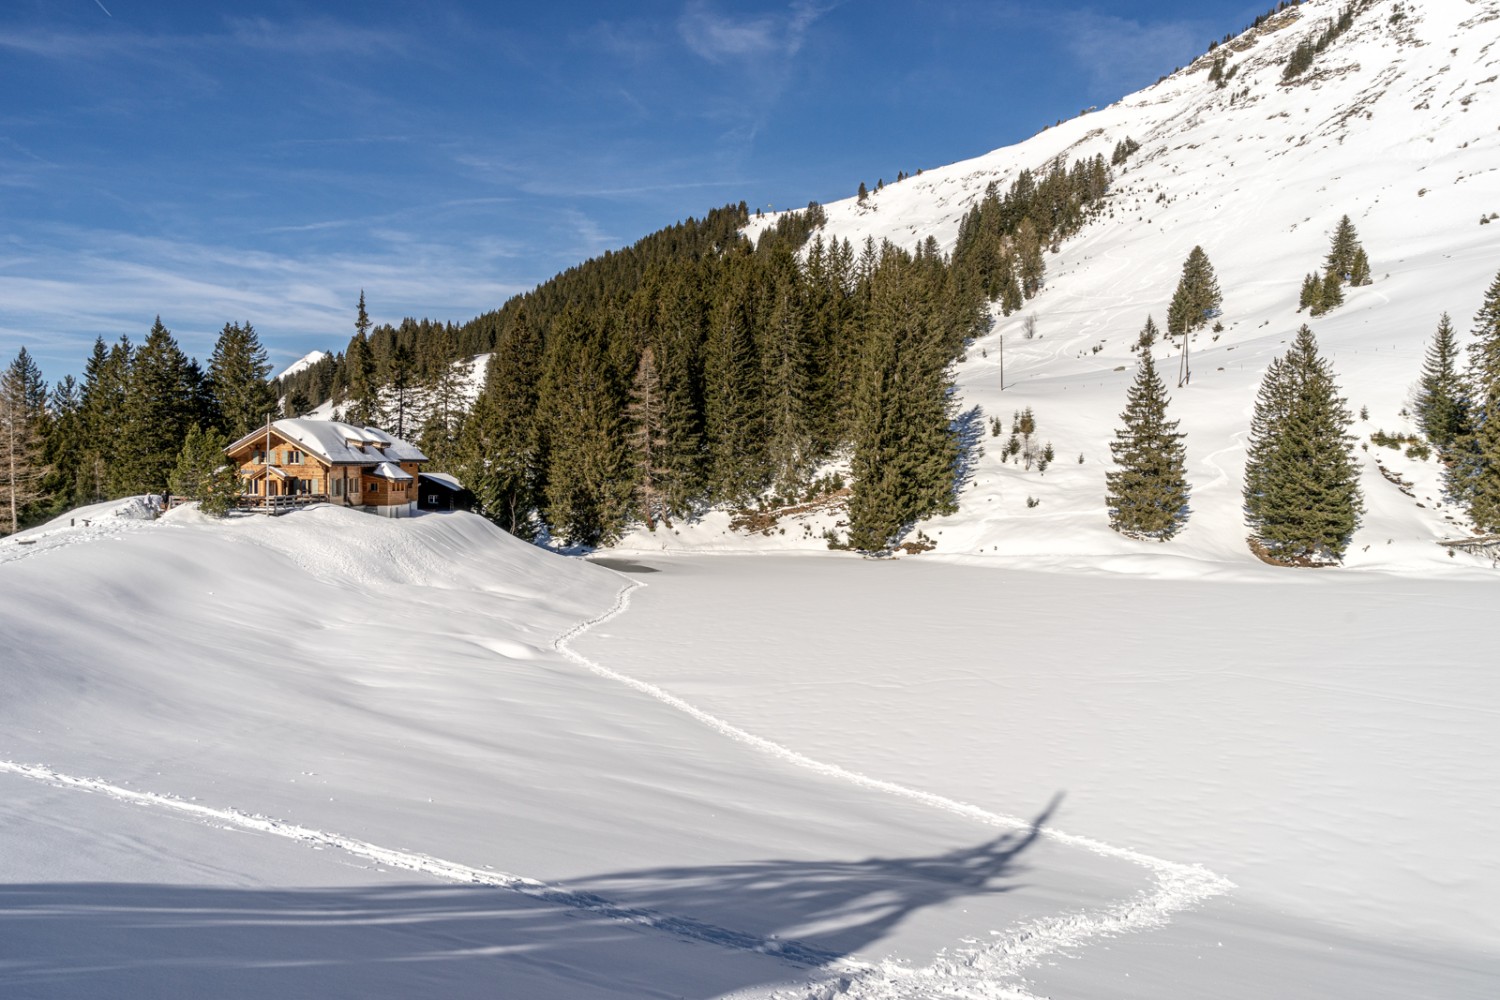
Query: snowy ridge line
[1178,886]
[687,928]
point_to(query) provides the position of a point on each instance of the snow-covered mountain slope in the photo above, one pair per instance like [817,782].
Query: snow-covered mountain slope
[470,378]
[1395,125]
[302,364]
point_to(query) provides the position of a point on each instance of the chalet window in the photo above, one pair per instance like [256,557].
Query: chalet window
[258,458]
[338,487]
[295,457]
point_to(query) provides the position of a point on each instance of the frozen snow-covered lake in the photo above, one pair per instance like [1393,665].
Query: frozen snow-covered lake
[328,753]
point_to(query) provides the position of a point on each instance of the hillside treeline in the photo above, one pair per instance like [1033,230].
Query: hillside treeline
[694,368]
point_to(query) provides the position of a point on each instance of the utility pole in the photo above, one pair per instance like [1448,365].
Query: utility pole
[1002,362]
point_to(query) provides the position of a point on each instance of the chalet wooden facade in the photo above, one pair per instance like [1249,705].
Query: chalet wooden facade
[326,461]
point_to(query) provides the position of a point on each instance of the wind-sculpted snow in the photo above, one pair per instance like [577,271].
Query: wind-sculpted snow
[963,973]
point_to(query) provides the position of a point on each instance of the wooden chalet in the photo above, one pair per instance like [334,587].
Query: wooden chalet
[293,462]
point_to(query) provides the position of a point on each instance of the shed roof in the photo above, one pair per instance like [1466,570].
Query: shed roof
[443,479]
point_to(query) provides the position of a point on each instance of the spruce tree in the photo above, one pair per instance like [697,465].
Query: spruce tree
[1312,294]
[1302,494]
[66,448]
[398,375]
[23,399]
[1148,492]
[237,373]
[201,457]
[1333,293]
[1359,269]
[1439,401]
[905,447]
[786,384]
[501,444]
[161,403]
[732,396]
[588,482]
[362,398]
[1197,298]
[679,336]
[648,441]
[1343,249]
[1477,465]
[1030,267]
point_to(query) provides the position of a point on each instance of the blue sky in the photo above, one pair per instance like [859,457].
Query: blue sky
[265,161]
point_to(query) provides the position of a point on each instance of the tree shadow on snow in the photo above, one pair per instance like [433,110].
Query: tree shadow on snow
[667,932]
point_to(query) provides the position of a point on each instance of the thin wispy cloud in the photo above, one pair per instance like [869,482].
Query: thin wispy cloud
[719,37]
[58,297]
[1121,53]
[316,36]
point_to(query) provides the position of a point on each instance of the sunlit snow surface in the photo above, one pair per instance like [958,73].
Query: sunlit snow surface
[330,754]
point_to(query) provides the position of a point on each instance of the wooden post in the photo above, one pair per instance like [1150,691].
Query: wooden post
[265,458]
[1002,362]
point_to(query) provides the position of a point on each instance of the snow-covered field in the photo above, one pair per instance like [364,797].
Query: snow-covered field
[330,754]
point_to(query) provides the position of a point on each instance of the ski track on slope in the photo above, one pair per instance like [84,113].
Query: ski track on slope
[975,972]
[686,928]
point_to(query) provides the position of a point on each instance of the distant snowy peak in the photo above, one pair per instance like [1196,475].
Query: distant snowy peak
[1406,85]
[303,363]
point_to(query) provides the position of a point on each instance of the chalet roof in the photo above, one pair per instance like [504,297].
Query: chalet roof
[443,479]
[390,470]
[339,443]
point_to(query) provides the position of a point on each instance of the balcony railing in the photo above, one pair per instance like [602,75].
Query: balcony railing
[280,504]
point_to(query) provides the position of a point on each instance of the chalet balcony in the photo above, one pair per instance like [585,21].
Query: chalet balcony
[279,504]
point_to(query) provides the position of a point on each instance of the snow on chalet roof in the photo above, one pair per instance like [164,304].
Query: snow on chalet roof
[341,444]
[444,479]
[390,470]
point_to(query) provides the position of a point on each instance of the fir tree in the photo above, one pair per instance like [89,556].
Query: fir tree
[66,449]
[1333,293]
[397,373]
[1197,298]
[500,446]
[362,399]
[1359,269]
[1439,402]
[1030,267]
[1148,493]
[23,398]
[1342,250]
[1302,494]
[905,447]
[786,384]
[1312,294]
[679,333]
[237,373]
[732,397]
[1475,474]
[161,403]
[201,458]
[362,319]
[442,391]
[588,485]
[648,441]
